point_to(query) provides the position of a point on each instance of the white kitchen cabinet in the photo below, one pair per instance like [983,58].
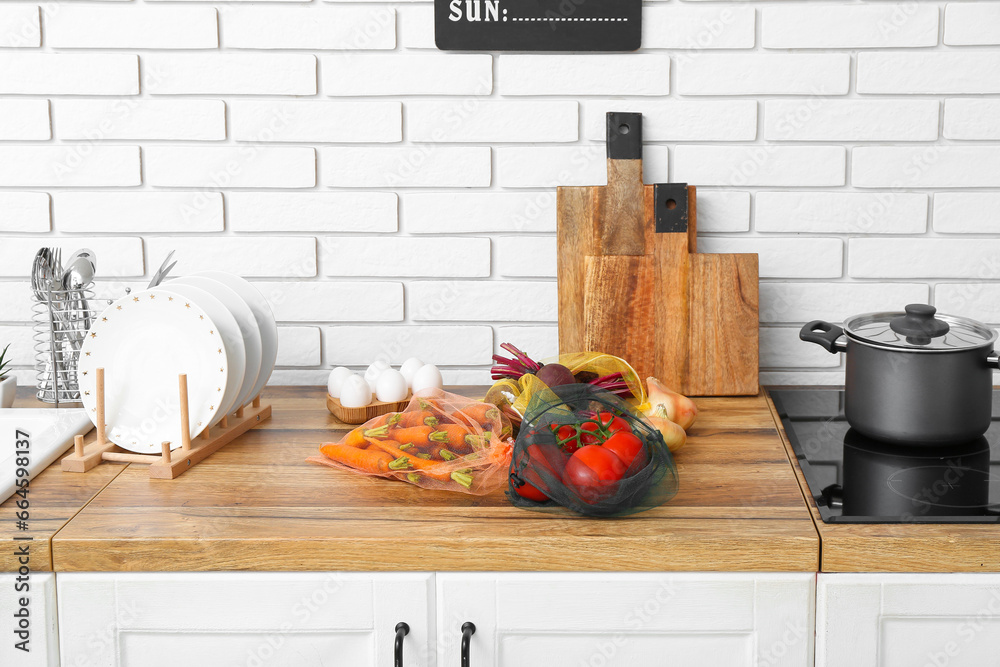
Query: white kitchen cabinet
[908,620]
[43,636]
[245,619]
[633,620]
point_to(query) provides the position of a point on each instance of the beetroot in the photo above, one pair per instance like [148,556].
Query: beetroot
[554,375]
[521,364]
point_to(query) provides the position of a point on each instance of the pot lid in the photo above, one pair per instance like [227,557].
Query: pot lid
[919,327]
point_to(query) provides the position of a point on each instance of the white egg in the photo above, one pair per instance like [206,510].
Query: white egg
[374,371]
[337,377]
[355,392]
[409,367]
[391,386]
[427,377]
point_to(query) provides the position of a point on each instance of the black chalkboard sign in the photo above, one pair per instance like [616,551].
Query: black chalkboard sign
[538,25]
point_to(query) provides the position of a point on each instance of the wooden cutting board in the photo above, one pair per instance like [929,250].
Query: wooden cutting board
[632,284]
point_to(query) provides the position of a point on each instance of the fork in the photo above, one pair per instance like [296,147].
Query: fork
[162,272]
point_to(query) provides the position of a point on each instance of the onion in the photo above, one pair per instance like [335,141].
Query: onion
[554,375]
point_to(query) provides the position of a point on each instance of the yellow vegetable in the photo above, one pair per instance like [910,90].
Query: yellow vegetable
[679,409]
[672,433]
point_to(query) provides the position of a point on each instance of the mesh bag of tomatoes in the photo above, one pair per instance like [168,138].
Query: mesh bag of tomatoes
[440,441]
[587,450]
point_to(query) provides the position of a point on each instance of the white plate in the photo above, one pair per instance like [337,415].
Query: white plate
[232,338]
[244,319]
[265,320]
[144,341]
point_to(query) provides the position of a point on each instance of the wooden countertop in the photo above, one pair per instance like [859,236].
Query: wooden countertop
[54,498]
[899,547]
[257,505]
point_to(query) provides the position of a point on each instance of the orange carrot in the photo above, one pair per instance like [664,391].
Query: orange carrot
[382,420]
[404,460]
[416,418]
[481,413]
[452,435]
[356,438]
[414,435]
[365,460]
[440,409]
[441,453]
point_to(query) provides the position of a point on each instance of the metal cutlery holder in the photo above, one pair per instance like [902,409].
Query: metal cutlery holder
[60,327]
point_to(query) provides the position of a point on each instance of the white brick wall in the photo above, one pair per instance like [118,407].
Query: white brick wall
[966,212]
[317,122]
[69,73]
[132,27]
[22,119]
[841,212]
[764,73]
[850,120]
[250,256]
[25,211]
[590,74]
[138,119]
[803,26]
[248,166]
[971,118]
[360,345]
[407,257]
[229,74]
[972,23]
[125,212]
[20,26]
[319,28]
[487,121]
[905,73]
[393,200]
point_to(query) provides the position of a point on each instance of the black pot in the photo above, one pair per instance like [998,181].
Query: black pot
[913,378]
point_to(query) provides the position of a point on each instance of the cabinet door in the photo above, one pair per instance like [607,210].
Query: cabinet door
[253,619]
[628,620]
[906,620]
[43,639]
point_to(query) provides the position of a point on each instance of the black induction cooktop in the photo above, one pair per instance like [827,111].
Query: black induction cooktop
[855,479]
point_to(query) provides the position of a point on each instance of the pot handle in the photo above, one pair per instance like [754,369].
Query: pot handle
[825,334]
[993,360]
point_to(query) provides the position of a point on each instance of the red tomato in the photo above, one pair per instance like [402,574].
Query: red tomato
[627,446]
[605,424]
[593,472]
[526,490]
[613,423]
[549,457]
[590,434]
[567,437]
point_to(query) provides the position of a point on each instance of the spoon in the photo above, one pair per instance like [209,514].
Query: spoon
[80,269]
[79,272]
[43,274]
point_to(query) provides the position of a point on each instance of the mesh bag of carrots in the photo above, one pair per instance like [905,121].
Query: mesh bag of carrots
[587,450]
[440,441]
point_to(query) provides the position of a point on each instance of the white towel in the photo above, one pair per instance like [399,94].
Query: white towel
[50,432]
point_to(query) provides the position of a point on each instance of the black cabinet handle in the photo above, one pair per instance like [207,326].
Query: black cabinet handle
[468,629]
[402,629]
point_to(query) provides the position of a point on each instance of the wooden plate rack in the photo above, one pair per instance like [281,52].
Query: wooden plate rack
[168,464]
